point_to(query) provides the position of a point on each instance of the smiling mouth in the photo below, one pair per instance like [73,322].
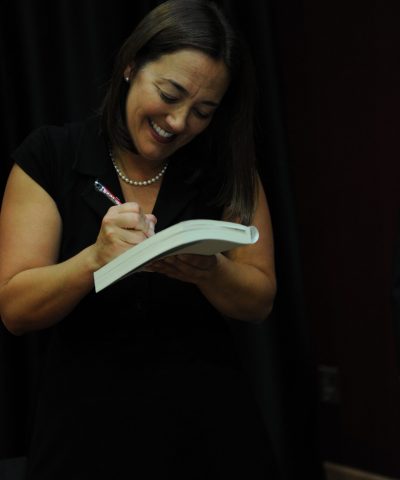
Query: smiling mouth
[160,134]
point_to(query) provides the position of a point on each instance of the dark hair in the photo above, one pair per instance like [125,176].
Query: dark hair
[198,24]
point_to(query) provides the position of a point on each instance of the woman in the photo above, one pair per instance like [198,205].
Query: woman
[144,376]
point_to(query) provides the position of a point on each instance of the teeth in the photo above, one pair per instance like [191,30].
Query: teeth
[160,131]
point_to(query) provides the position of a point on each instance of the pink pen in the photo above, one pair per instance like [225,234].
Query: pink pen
[115,200]
[102,189]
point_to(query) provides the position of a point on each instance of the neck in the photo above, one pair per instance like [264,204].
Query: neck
[136,176]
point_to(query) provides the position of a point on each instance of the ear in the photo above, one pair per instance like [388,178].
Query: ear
[127,73]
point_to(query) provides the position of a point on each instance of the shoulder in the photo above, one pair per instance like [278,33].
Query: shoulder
[47,154]
[47,139]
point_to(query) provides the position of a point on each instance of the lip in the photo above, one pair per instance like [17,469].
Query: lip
[158,137]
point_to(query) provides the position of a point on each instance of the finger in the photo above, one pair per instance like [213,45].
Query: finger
[177,270]
[152,223]
[138,220]
[151,217]
[132,237]
[200,262]
[128,207]
[130,215]
[167,269]
[130,220]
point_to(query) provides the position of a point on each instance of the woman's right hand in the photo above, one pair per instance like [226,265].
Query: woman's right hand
[122,227]
[46,289]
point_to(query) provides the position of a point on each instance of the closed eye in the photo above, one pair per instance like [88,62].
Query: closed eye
[167,98]
[201,114]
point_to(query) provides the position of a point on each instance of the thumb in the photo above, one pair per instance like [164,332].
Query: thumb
[152,220]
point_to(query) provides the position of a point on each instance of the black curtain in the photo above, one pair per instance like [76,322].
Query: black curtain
[57,56]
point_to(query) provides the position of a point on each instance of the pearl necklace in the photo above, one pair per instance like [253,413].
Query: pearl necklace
[136,183]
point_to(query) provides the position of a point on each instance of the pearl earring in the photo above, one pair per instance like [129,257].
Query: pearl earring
[127,79]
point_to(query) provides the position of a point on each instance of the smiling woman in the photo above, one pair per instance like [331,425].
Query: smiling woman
[158,385]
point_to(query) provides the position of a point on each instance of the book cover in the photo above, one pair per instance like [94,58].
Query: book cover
[204,237]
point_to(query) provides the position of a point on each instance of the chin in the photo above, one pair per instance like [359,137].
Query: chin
[154,155]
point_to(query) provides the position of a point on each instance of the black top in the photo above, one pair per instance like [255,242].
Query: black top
[144,374]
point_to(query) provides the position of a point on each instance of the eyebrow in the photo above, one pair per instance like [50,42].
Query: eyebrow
[183,90]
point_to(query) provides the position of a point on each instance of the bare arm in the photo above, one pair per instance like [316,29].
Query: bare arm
[36,291]
[240,284]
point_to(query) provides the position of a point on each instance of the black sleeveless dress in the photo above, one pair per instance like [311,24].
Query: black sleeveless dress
[142,380]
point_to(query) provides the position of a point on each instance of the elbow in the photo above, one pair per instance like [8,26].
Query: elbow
[11,322]
[11,315]
[17,323]
[12,327]
[263,314]
[6,318]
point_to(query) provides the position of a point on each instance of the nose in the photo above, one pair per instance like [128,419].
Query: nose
[177,119]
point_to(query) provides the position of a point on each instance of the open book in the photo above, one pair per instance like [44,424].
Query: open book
[204,237]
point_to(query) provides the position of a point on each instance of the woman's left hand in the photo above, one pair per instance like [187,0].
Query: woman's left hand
[239,283]
[186,267]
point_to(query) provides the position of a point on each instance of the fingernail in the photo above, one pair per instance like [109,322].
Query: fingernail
[151,228]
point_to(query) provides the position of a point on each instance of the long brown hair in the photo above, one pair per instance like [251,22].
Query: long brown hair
[229,139]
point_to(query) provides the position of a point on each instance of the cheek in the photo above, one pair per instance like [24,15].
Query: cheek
[198,126]
[139,103]
[193,132]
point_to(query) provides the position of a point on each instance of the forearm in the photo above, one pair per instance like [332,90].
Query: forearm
[38,298]
[240,291]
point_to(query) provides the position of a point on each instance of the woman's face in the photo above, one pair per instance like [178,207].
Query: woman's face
[172,100]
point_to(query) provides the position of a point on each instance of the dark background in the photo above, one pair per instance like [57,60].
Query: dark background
[328,74]
[340,80]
